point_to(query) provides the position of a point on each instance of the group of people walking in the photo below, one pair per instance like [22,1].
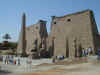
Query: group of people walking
[87,52]
[10,60]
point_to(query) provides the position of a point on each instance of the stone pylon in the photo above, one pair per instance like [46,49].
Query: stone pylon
[23,38]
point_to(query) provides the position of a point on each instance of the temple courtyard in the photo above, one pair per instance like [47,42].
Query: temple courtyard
[78,66]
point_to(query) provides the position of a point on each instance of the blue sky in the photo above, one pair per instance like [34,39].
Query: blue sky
[11,12]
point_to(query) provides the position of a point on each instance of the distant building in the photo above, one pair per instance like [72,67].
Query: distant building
[68,34]
[33,38]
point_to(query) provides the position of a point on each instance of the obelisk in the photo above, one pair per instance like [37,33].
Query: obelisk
[23,38]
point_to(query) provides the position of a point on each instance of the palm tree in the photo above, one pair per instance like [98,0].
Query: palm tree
[6,37]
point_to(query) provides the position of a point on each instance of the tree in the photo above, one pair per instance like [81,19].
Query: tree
[6,37]
[12,45]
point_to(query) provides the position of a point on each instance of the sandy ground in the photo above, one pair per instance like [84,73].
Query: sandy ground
[75,67]
[83,66]
[80,69]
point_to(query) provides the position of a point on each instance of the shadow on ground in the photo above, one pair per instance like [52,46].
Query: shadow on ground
[3,72]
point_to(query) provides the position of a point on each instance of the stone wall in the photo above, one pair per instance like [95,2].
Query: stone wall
[33,36]
[73,27]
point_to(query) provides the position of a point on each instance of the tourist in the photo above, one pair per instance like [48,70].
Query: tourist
[98,55]
[83,52]
[86,52]
[7,60]
[53,59]
[18,61]
[90,51]
[15,62]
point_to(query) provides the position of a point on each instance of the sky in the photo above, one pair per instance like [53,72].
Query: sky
[11,13]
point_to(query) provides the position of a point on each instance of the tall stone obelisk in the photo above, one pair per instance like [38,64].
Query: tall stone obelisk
[23,38]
